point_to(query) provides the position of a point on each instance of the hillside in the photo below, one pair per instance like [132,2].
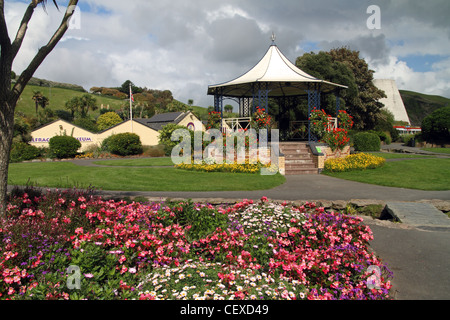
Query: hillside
[59,93]
[57,99]
[419,105]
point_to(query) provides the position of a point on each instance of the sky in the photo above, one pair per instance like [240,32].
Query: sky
[186,45]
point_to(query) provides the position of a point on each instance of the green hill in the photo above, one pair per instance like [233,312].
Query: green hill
[57,99]
[59,93]
[419,105]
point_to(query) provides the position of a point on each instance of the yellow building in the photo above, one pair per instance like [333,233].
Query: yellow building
[146,129]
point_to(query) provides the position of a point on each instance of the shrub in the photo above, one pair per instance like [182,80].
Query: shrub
[165,135]
[123,144]
[63,147]
[214,120]
[436,126]
[154,151]
[384,136]
[408,139]
[21,151]
[86,123]
[107,120]
[366,141]
[358,161]
[261,120]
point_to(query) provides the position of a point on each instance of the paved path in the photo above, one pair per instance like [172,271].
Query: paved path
[306,187]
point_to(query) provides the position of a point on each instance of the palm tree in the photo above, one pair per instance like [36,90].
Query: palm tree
[82,105]
[39,100]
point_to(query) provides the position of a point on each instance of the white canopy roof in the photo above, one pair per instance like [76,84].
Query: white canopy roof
[283,78]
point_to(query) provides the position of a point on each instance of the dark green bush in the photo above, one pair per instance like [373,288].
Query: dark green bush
[63,147]
[86,123]
[165,135]
[123,144]
[384,136]
[366,141]
[436,126]
[21,151]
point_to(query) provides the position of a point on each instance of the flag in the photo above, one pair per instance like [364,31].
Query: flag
[131,96]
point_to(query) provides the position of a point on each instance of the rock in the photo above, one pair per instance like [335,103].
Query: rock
[339,204]
[442,205]
[366,202]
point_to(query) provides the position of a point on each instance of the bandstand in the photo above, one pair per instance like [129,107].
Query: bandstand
[274,77]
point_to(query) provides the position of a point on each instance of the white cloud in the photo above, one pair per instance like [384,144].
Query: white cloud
[184,46]
[436,82]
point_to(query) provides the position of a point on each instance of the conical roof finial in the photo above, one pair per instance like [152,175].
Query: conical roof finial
[273,38]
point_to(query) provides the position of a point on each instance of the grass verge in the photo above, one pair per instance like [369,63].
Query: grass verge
[145,162]
[438,150]
[396,155]
[68,175]
[421,174]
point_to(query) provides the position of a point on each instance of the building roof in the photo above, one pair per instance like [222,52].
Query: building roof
[282,77]
[167,117]
[159,120]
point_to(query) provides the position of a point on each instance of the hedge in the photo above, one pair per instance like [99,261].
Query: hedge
[366,141]
[123,144]
[63,147]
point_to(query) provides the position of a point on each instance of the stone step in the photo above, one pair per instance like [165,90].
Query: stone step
[298,161]
[294,150]
[298,156]
[420,215]
[301,171]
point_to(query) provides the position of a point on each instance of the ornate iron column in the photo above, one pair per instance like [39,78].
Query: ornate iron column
[338,106]
[313,103]
[260,96]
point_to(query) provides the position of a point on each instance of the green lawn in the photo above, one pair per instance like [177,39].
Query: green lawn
[438,150]
[422,174]
[397,155]
[68,175]
[144,162]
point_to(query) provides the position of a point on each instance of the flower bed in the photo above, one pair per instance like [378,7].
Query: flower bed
[358,161]
[182,250]
[205,166]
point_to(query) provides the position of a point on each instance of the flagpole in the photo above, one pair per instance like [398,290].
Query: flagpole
[131,109]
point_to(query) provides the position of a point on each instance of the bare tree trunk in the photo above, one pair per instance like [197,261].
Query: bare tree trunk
[6,134]
[8,96]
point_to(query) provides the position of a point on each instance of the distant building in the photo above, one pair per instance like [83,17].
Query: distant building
[146,129]
[408,129]
[393,102]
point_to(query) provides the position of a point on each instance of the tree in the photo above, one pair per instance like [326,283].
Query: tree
[366,107]
[82,105]
[107,120]
[228,108]
[9,94]
[345,67]
[125,88]
[436,126]
[39,100]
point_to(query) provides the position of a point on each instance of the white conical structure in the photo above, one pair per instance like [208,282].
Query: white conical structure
[281,77]
[393,101]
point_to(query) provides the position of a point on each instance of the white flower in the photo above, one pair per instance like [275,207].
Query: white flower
[132,270]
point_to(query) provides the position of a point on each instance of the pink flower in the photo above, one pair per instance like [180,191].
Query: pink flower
[132,270]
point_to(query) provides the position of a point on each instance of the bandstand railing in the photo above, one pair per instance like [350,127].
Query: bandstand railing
[236,124]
